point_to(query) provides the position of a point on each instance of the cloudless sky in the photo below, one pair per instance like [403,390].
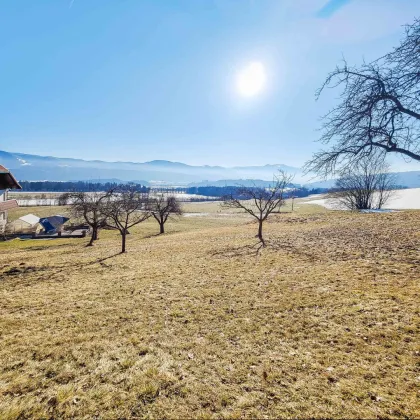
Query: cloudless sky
[139,80]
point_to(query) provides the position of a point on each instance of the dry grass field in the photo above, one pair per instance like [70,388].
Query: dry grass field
[324,322]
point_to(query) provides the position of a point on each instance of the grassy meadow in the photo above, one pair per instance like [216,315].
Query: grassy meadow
[197,323]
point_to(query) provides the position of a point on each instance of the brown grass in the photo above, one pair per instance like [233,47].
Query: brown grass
[323,322]
[40,211]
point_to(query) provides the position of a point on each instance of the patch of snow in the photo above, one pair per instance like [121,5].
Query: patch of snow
[378,211]
[405,199]
[408,199]
[211,214]
[23,162]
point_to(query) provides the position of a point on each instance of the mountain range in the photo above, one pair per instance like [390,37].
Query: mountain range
[47,168]
[157,172]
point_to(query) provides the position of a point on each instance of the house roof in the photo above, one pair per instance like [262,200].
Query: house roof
[9,204]
[7,180]
[31,219]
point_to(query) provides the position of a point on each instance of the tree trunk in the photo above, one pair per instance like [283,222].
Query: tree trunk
[260,225]
[93,237]
[162,227]
[95,234]
[91,241]
[123,238]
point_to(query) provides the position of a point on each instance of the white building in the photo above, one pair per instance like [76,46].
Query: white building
[7,181]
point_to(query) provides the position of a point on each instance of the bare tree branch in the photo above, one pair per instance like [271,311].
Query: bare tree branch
[162,208]
[379,109]
[89,206]
[260,202]
[125,208]
[367,185]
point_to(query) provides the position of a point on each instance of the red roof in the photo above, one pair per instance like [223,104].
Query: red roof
[7,180]
[9,204]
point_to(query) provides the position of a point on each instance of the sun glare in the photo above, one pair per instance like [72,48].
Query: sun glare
[251,80]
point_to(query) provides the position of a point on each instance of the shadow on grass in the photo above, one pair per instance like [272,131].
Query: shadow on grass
[23,268]
[101,260]
[257,248]
[285,246]
[241,251]
[153,235]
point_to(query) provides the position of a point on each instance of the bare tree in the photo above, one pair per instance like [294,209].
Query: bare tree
[90,207]
[260,202]
[125,208]
[163,208]
[379,108]
[368,185]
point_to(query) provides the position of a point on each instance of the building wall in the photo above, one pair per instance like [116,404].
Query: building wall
[3,214]
[3,220]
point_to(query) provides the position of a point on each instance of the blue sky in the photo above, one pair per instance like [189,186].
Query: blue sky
[140,80]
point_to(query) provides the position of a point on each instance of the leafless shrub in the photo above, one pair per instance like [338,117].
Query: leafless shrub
[368,185]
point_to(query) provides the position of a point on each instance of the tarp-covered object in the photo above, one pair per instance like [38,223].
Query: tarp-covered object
[30,219]
[52,224]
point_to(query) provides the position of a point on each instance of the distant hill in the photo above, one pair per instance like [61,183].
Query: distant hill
[48,168]
[409,179]
[158,172]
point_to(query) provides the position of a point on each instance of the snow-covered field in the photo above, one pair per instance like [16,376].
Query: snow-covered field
[402,200]
[50,198]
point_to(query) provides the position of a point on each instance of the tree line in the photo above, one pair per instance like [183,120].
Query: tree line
[68,186]
[212,191]
[206,191]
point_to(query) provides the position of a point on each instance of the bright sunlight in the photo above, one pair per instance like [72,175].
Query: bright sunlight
[251,80]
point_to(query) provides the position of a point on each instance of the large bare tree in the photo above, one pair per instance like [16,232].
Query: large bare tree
[379,108]
[367,185]
[126,207]
[90,207]
[163,208]
[260,202]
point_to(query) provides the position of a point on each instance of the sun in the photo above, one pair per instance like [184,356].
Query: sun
[251,80]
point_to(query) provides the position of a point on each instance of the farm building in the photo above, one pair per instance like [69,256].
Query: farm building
[7,181]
